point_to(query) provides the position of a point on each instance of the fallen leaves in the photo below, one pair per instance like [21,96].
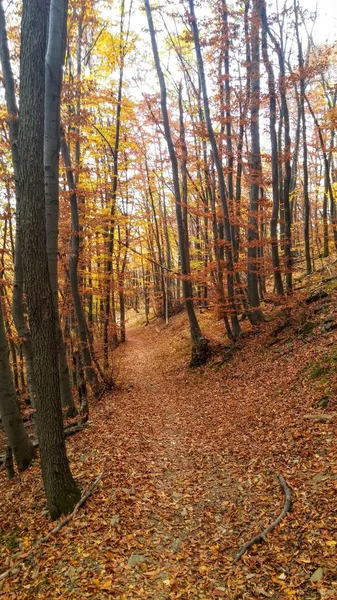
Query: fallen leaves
[190,463]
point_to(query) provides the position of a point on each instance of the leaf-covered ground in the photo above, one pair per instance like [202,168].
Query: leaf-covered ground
[190,472]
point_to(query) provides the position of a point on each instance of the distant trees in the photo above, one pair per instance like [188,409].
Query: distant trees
[200,349]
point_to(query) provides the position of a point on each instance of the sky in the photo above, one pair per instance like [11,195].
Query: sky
[326,28]
[326,24]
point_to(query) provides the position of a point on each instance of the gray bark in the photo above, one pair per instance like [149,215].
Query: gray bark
[285,187]
[274,152]
[255,314]
[306,199]
[53,86]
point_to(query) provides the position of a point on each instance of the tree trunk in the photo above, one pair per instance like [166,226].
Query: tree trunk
[236,329]
[255,314]
[61,490]
[306,200]
[13,126]
[82,326]
[274,152]
[53,86]
[11,418]
[200,349]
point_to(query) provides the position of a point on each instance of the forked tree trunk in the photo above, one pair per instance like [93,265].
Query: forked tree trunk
[61,490]
[285,186]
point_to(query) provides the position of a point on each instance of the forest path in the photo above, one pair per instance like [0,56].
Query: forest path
[191,459]
[177,486]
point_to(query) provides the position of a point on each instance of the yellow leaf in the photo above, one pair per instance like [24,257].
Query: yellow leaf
[331,543]
[106,585]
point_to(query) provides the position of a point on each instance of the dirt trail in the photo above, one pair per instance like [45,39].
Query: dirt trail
[177,485]
[191,461]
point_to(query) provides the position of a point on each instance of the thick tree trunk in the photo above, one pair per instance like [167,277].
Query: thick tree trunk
[61,490]
[19,441]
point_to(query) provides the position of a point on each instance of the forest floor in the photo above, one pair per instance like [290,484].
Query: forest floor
[191,459]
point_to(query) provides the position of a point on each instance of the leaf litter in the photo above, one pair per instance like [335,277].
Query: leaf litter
[191,459]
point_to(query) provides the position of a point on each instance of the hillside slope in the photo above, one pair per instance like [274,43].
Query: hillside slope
[191,459]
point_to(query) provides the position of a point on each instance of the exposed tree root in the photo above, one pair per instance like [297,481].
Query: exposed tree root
[24,555]
[201,353]
[261,537]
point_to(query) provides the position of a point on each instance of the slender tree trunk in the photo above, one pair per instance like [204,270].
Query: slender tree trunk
[11,418]
[327,181]
[109,300]
[236,329]
[274,152]
[200,349]
[61,490]
[159,245]
[53,86]
[255,314]
[82,325]
[13,126]
[306,199]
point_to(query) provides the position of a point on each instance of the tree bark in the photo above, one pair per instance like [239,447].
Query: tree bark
[255,314]
[53,87]
[306,199]
[274,152]
[10,414]
[61,490]
[82,325]
[13,127]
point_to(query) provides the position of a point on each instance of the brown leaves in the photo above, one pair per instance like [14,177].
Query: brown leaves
[189,476]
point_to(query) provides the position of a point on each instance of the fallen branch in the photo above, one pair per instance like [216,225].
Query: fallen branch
[24,555]
[261,537]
